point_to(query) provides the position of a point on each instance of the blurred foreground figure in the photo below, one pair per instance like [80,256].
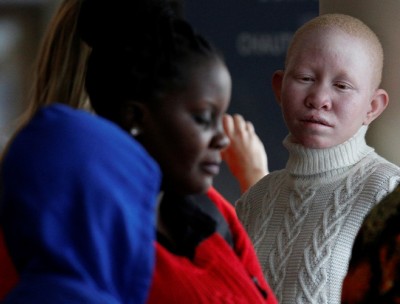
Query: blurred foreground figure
[374,271]
[78,210]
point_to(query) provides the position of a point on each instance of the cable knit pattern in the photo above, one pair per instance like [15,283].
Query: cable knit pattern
[303,219]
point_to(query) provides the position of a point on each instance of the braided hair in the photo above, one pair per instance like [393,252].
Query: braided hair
[140,52]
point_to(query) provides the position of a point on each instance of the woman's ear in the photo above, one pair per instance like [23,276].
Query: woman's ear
[277,79]
[132,113]
[378,104]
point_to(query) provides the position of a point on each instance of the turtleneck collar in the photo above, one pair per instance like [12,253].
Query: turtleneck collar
[307,161]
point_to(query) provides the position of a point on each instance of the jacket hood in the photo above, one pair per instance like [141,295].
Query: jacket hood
[78,210]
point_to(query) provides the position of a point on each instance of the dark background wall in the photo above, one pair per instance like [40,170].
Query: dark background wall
[253,35]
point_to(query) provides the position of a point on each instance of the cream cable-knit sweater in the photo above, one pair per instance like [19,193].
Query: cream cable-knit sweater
[303,219]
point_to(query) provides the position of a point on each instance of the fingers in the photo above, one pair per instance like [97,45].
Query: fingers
[228,124]
[250,127]
[237,125]
[245,156]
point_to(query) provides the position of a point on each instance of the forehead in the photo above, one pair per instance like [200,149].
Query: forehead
[208,77]
[208,82]
[329,47]
[351,27]
[327,40]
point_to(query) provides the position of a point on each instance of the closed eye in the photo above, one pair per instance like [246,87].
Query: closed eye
[204,119]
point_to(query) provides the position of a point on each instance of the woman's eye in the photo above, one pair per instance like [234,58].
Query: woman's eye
[306,78]
[203,119]
[342,86]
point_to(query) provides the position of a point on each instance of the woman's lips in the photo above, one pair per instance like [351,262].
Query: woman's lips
[316,120]
[211,168]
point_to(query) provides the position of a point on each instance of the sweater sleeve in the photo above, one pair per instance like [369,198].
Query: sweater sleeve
[243,246]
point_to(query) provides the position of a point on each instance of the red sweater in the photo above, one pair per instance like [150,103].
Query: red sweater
[217,274]
[8,274]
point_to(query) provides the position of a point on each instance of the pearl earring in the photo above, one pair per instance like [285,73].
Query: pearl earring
[135,131]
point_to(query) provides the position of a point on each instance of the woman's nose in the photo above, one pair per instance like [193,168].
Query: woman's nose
[224,141]
[319,98]
[220,140]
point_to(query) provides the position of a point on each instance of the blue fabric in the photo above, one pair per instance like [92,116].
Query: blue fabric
[78,210]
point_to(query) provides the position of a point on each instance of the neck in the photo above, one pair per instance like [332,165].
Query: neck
[307,161]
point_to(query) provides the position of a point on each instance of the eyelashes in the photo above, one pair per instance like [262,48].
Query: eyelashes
[204,119]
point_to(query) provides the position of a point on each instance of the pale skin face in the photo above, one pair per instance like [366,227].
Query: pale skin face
[327,91]
[184,131]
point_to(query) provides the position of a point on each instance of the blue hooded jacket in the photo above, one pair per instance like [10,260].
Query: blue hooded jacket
[78,199]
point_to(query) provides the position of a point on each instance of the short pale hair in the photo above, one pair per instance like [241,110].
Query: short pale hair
[349,25]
